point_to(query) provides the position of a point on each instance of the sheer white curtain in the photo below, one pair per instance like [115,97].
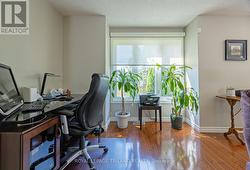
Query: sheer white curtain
[147,51]
[142,54]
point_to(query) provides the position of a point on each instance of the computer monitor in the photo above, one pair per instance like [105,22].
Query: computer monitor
[10,98]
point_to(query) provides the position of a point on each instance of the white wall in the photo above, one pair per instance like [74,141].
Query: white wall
[215,74]
[40,51]
[84,50]
[191,60]
[107,72]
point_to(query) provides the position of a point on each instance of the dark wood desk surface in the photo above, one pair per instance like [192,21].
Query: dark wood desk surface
[9,127]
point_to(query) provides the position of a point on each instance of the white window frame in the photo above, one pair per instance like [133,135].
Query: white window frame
[114,35]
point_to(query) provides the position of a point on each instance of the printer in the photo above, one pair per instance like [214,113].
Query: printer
[149,99]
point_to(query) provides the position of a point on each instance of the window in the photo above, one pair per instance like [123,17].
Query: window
[141,55]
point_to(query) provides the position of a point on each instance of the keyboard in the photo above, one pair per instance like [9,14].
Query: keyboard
[34,106]
[8,106]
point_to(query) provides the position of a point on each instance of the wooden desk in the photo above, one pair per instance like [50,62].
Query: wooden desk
[15,138]
[155,108]
[232,100]
[16,147]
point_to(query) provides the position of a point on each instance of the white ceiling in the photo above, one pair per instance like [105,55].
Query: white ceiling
[152,13]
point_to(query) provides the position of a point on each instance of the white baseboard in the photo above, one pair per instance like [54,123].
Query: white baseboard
[215,129]
[192,124]
[207,129]
[145,119]
[167,119]
[106,125]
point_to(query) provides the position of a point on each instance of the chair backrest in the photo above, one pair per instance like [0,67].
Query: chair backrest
[89,112]
[245,106]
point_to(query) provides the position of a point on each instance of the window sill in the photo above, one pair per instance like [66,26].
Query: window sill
[166,100]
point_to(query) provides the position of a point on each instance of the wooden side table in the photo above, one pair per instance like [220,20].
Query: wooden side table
[155,108]
[232,100]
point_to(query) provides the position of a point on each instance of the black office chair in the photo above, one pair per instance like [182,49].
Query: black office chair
[86,119]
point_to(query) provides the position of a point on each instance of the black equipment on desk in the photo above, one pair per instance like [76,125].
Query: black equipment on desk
[149,100]
[63,98]
[34,106]
[10,98]
[11,102]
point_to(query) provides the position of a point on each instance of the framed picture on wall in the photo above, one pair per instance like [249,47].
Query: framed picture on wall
[236,50]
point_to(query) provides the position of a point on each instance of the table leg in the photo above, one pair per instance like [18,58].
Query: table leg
[140,117]
[237,136]
[160,119]
[232,129]
[236,133]
[155,115]
[139,113]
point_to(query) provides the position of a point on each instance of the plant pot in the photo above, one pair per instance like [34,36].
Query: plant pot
[122,119]
[176,121]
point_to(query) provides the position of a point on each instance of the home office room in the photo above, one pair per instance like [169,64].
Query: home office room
[115,84]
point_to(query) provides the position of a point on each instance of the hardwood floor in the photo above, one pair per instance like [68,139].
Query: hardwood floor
[152,149]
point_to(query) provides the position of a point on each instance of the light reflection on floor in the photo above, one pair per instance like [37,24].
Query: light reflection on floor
[175,154]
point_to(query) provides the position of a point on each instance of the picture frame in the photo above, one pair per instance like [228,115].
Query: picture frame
[236,50]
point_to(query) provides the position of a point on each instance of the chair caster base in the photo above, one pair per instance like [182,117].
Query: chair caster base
[106,150]
[93,168]
[91,164]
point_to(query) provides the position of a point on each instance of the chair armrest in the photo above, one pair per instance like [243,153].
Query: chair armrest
[66,112]
[71,106]
[69,110]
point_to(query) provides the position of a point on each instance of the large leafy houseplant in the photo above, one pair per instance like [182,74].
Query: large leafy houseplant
[182,97]
[126,82]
